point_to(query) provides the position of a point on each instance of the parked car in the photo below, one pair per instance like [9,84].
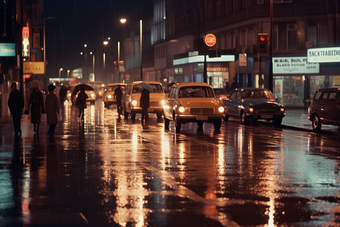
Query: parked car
[252,104]
[220,93]
[325,108]
[193,102]
[108,96]
[131,99]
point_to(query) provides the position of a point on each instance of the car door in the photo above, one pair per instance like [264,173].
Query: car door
[322,106]
[333,108]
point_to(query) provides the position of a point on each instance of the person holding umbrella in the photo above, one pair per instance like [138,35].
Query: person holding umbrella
[37,106]
[52,108]
[16,105]
[118,96]
[81,103]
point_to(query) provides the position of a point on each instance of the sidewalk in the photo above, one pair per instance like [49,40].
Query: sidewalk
[297,118]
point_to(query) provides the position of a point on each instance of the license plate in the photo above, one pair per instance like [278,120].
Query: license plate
[266,116]
[202,118]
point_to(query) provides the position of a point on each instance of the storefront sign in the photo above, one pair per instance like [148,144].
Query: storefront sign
[7,49]
[217,69]
[242,59]
[294,65]
[323,55]
[34,67]
[25,42]
[336,80]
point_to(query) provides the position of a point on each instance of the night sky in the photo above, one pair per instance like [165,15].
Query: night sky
[84,21]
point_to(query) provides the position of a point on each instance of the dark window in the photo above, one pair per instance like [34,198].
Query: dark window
[333,96]
[317,95]
[324,95]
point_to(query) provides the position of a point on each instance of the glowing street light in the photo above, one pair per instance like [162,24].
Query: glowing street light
[61,69]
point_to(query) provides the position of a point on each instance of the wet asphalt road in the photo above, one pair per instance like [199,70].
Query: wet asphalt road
[110,172]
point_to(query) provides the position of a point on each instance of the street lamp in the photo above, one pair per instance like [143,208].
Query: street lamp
[61,69]
[68,73]
[44,37]
[123,21]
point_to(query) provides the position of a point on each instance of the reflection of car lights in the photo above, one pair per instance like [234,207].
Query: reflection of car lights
[109,96]
[221,109]
[181,109]
[134,102]
[163,102]
[282,109]
[92,95]
[251,109]
[69,95]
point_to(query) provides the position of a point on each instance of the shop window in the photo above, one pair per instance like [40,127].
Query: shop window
[289,90]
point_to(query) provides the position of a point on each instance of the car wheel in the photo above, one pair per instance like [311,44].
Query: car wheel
[178,125]
[244,119]
[316,124]
[217,125]
[277,122]
[166,123]
[133,116]
[159,115]
[199,126]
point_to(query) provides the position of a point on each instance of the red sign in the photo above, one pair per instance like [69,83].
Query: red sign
[210,40]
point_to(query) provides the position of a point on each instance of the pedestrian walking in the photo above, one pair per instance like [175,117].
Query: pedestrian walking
[62,94]
[118,96]
[37,106]
[81,103]
[16,106]
[52,109]
[227,88]
[145,104]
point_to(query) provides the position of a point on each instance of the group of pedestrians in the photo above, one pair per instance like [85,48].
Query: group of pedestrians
[50,107]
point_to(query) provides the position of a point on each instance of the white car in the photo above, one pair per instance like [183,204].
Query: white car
[193,102]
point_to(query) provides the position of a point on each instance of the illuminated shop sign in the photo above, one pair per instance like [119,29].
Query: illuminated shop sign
[294,65]
[7,49]
[323,55]
[200,59]
[217,69]
[34,67]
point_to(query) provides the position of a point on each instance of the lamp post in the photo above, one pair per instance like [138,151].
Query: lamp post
[44,37]
[61,69]
[68,73]
[123,21]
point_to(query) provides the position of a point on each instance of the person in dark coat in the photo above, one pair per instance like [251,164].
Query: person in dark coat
[62,94]
[16,105]
[118,96]
[81,103]
[145,104]
[52,109]
[37,102]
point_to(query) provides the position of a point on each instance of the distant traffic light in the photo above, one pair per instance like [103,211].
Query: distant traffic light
[262,42]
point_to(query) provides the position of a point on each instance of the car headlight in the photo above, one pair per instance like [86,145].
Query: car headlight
[134,102]
[109,96]
[251,109]
[181,109]
[221,109]
[282,109]
[69,95]
[92,95]
[163,102]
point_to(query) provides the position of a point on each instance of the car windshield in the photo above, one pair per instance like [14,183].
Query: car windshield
[156,88]
[257,94]
[219,91]
[195,92]
[113,88]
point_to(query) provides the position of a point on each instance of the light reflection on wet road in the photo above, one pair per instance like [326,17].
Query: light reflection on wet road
[110,172]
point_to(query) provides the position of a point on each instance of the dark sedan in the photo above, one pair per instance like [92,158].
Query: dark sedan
[252,104]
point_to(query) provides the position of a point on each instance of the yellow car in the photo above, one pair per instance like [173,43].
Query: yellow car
[108,96]
[193,102]
[131,99]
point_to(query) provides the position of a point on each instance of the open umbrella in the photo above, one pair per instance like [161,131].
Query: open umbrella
[146,86]
[79,87]
[34,84]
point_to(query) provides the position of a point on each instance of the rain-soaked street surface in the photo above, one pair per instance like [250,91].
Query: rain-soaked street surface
[110,172]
